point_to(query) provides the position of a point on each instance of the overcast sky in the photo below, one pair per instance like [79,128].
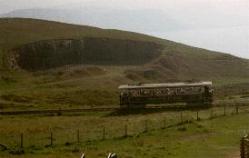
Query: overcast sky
[221,25]
[224,5]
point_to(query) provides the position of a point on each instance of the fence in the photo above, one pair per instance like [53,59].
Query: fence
[58,136]
[244,147]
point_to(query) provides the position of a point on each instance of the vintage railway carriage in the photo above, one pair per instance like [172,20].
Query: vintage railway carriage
[141,94]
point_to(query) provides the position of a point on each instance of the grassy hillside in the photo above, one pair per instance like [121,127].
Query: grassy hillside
[72,65]
[15,32]
[18,31]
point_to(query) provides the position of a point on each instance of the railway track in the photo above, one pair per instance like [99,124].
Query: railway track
[92,109]
[60,111]
[56,111]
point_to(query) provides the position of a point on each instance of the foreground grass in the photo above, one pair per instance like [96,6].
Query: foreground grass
[218,137]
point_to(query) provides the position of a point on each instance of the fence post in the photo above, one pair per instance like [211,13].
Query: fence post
[146,126]
[237,109]
[125,130]
[211,114]
[51,138]
[197,116]
[103,133]
[78,136]
[181,116]
[164,124]
[247,147]
[224,110]
[21,140]
[242,148]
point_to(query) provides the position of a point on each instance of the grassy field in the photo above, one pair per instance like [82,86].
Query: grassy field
[51,91]
[84,86]
[149,134]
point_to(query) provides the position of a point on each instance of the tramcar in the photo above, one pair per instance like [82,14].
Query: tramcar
[139,95]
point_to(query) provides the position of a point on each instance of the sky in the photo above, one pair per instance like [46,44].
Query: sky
[235,7]
[221,25]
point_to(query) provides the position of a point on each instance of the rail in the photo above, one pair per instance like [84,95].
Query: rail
[104,108]
[57,111]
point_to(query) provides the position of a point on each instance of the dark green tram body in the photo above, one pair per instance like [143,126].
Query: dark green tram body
[164,93]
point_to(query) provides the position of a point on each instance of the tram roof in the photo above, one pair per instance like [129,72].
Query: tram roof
[161,85]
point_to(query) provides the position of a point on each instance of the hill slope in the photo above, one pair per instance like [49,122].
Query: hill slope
[84,65]
[19,31]
[14,33]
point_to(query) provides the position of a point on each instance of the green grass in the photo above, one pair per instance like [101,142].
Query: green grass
[80,87]
[68,89]
[205,138]
[31,30]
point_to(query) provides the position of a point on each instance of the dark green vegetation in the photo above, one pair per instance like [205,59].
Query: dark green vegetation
[98,51]
[47,64]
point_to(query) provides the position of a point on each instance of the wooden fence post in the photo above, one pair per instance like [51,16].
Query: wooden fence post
[224,110]
[197,116]
[78,136]
[146,126]
[181,117]
[237,109]
[247,147]
[21,140]
[51,138]
[242,148]
[211,114]
[103,133]
[164,124]
[125,130]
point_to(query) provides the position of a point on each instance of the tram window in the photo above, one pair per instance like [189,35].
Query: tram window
[196,90]
[183,91]
[145,91]
[173,91]
[134,93]
[123,93]
[158,92]
[188,89]
[202,89]
[165,91]
[199,89]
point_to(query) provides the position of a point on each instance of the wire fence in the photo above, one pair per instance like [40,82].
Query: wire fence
[58,136]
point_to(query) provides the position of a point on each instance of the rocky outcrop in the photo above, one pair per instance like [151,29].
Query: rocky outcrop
[48,54]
